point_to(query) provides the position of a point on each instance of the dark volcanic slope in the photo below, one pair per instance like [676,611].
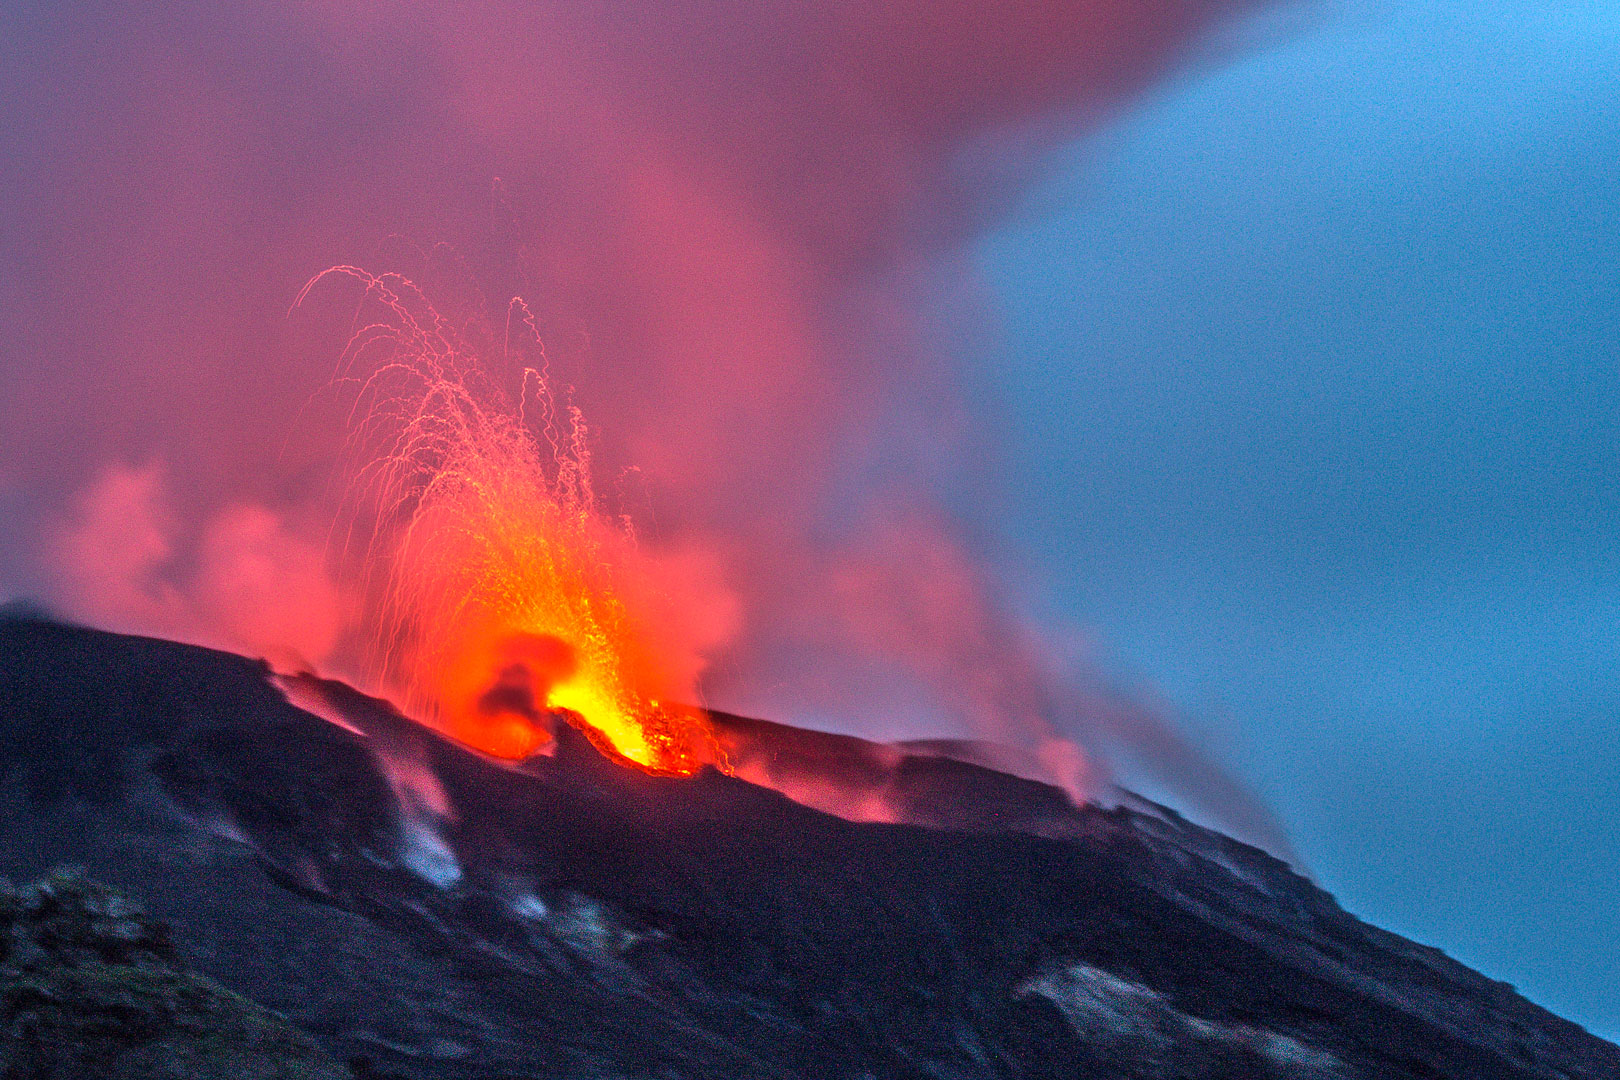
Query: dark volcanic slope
[441,916]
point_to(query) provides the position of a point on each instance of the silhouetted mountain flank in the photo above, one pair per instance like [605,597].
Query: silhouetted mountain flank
[423,911]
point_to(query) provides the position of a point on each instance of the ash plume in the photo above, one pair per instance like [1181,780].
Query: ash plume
[715,210]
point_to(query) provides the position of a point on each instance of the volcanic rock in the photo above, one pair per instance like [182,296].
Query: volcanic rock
[90,987]
[423,911]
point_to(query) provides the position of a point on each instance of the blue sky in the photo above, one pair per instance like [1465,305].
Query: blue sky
[1310,363]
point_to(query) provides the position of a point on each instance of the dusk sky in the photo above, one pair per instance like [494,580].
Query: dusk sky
[1310,361]
[1259,364]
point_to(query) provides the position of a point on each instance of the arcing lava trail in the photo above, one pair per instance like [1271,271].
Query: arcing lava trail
[496,589]
[426,911]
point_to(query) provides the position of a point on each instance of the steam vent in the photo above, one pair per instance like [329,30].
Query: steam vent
[263,891]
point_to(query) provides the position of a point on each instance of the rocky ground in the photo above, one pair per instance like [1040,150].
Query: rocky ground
[423,912]
[91,987]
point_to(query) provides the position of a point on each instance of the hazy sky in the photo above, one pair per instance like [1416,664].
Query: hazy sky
[1311,366]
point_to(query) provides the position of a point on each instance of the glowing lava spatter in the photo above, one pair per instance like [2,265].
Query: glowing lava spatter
[499,592]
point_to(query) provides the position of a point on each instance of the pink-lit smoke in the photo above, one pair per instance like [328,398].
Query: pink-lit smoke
[717,211]
[250,584]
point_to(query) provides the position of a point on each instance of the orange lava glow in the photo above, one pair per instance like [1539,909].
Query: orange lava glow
[504,599]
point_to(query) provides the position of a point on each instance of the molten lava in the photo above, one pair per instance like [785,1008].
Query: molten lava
[503,598]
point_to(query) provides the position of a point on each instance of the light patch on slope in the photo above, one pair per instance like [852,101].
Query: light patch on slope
[1111,1012]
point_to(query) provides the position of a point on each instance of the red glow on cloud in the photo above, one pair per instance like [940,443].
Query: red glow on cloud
[247,582]
[707,205]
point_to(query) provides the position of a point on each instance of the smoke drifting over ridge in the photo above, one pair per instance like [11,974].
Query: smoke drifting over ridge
[708,205]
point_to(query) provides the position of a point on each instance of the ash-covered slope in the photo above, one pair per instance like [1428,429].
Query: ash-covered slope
[436,914]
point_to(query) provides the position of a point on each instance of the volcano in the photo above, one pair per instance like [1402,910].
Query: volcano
[424,911]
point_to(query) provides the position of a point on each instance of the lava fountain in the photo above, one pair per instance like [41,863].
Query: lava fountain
[501,599]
